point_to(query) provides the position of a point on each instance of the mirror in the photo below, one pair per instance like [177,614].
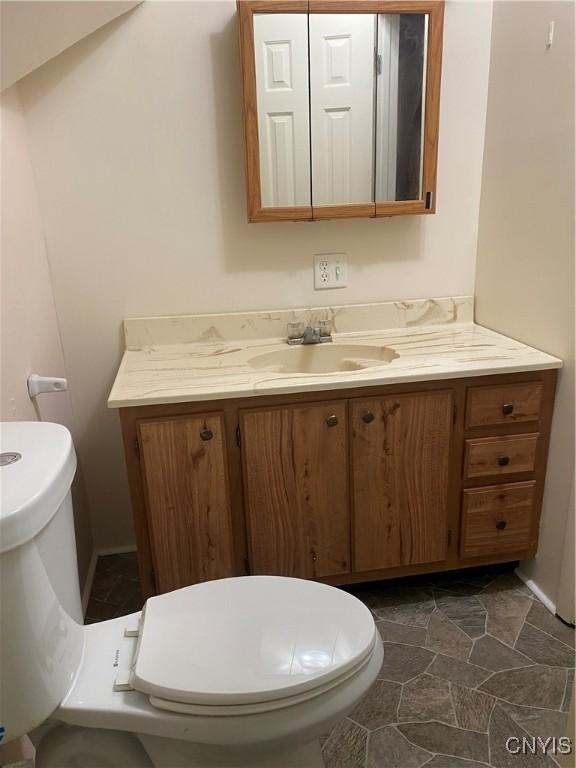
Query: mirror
[400,98]
[340,105]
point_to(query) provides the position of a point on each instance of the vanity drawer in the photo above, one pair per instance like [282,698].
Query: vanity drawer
[497,519]
[505,404]
[497,456]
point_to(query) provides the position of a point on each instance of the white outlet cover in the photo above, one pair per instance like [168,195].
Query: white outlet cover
[330,271]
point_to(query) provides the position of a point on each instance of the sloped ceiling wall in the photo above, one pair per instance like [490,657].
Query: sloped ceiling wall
[34,31]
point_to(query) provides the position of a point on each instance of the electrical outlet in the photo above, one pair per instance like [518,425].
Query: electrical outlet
[330,271]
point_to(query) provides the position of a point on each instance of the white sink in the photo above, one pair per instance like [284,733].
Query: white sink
[323,358]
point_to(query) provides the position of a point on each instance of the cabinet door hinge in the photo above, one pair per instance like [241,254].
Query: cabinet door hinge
[449,537]
[238,436]
[137,448]
[247,566]
[454,413]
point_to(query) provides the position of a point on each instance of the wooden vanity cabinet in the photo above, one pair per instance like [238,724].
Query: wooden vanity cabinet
[185,482]
[343,486]
[295,469]
[400,472]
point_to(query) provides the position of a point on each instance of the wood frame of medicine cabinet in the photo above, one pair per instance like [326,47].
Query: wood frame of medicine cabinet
[256,213]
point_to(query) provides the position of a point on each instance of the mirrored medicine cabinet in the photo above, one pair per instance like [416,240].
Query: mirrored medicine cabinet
[341,107]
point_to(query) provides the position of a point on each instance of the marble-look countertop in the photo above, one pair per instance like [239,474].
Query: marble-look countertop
[207,357]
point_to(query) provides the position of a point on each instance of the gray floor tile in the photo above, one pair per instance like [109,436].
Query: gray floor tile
[506,614]
[445,637]
[401,633]
[466,611]
[387,748]
[472,708]
[459,672]
[403,662]
[537,722]
[502,728]
[459,588]
[568,691]
[403,605]
[380,705]
[543,648]
[492,654]
[426,698]
[447,761]
[539,616]
[506,582]
[536,686]
[103,584]
[446,740]
[346,746]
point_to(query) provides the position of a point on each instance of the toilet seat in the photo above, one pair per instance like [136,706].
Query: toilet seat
[249,644]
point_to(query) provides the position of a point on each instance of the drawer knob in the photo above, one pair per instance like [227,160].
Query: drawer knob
[206,434]
[501,524]
[332,421]
[368,417]
[503,461]
[507,409]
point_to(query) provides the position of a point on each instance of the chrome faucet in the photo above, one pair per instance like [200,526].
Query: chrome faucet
[318,334]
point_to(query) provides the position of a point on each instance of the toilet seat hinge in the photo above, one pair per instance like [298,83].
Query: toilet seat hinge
[133,628]
[122,682]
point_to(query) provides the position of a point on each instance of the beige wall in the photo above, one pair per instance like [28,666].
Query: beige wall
[136,139]
[34,31]
[30,337]
[525,263]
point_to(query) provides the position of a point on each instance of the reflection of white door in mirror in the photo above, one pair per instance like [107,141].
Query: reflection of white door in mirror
[342,104]
[387,105]
[281,53]
[400,99]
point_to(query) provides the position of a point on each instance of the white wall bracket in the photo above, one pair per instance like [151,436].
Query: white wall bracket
[40,384]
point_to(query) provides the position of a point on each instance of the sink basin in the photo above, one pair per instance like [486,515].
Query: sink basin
[323,358]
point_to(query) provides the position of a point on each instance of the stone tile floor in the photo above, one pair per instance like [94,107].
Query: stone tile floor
[470,659]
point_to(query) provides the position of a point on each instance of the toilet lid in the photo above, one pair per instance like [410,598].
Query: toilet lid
[249,640]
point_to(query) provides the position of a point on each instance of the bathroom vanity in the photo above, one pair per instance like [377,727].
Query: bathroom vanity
[415,442]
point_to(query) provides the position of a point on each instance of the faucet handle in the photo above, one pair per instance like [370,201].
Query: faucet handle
[295,330]
[325,327]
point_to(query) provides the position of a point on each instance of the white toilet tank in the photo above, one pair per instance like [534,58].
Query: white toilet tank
[41,626]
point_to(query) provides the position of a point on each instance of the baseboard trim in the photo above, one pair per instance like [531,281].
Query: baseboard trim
[116,550]
[89,581]
[535,589]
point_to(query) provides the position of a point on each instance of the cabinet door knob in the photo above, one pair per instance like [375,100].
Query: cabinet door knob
[332,421]
[368,417]
[206,434]
[507,409]
[503,461]
[501,524]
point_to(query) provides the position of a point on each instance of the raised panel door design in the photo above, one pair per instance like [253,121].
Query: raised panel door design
[281,53]
[296,490]
[342,104]
[400,466]
[184,474]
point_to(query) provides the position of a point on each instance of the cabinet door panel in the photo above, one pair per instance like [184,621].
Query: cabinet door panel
[184,465]
[296,490]
[400,455]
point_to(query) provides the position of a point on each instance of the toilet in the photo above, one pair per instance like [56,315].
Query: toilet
[248,671]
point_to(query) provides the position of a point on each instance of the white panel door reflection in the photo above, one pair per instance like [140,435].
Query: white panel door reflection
[281,52]
[342,107]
